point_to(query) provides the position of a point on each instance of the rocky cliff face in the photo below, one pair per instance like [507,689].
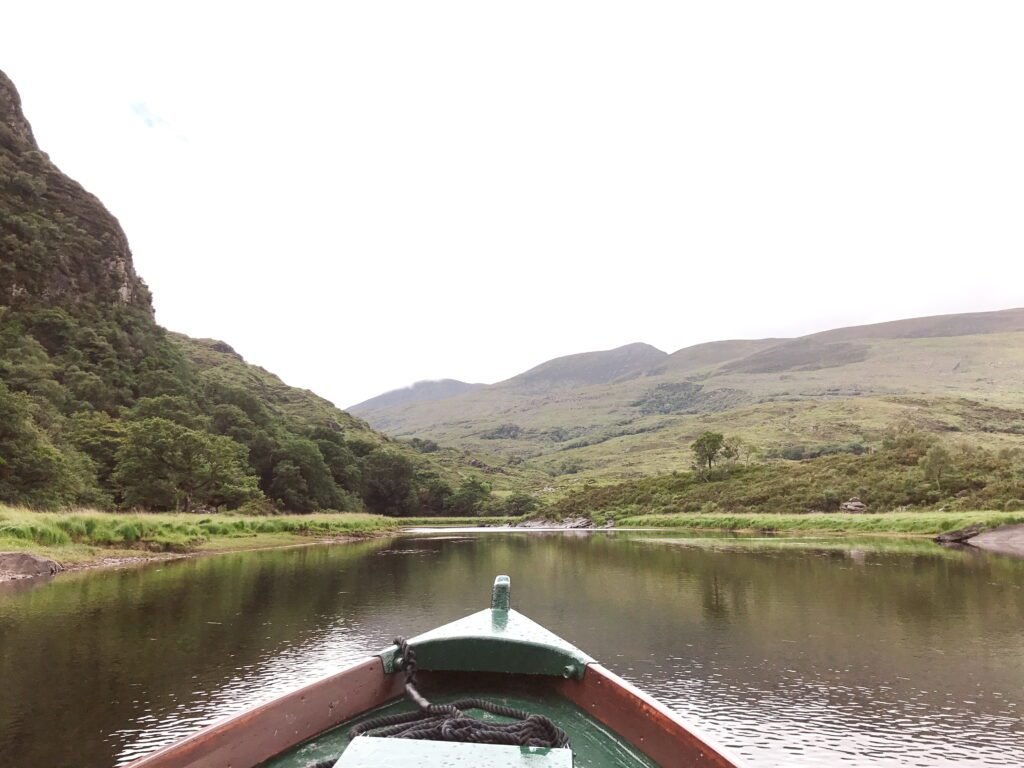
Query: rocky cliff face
[11,114]
[58,244]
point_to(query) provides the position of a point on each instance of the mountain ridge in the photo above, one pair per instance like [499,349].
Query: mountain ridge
[721,352]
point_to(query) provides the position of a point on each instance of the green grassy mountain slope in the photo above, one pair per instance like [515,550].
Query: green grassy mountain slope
[590,368]
[101,406]
[957,375]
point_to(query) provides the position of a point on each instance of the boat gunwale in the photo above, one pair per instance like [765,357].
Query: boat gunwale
[642,720]
[260,732]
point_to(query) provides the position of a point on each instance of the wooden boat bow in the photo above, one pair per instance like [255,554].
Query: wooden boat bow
[497,650]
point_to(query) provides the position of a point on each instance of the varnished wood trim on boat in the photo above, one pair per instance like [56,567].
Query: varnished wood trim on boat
[255,735]
[643,722]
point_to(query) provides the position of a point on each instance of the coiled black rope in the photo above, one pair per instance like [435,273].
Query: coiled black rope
[447,722]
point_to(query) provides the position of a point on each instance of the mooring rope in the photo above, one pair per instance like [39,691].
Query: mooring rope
[448,722]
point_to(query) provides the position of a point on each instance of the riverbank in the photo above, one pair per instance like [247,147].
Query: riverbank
[94,539]
[891,523]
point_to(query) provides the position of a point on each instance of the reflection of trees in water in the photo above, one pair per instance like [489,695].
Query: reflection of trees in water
[715,603]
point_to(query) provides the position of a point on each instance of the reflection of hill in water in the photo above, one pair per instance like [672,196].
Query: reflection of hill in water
[768,647]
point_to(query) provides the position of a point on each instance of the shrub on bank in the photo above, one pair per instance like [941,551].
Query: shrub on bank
[905,473]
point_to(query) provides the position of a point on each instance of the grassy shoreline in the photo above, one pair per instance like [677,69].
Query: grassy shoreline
[89,538]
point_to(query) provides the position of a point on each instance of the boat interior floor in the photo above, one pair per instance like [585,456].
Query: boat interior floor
[593,745]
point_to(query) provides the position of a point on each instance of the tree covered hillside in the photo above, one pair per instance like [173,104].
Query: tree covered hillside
[101,406]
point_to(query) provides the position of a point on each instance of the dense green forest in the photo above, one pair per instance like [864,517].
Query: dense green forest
[108,410]
[100,406]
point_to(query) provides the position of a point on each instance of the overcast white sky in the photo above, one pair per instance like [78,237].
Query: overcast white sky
[358,195]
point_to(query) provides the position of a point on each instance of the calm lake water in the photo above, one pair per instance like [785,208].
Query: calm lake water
[790,652]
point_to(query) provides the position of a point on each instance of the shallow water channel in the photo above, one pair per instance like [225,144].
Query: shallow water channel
[790,651]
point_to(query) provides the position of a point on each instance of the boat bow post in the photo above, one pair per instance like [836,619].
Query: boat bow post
[498,639]
[501,594]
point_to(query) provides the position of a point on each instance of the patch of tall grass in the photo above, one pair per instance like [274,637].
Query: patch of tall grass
[173,532]
[39,533]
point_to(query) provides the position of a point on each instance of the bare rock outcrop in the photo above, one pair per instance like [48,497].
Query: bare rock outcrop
[854,506]
[23,565]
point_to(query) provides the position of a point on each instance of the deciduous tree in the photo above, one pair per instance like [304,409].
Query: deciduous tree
[706,449]
[935,464]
